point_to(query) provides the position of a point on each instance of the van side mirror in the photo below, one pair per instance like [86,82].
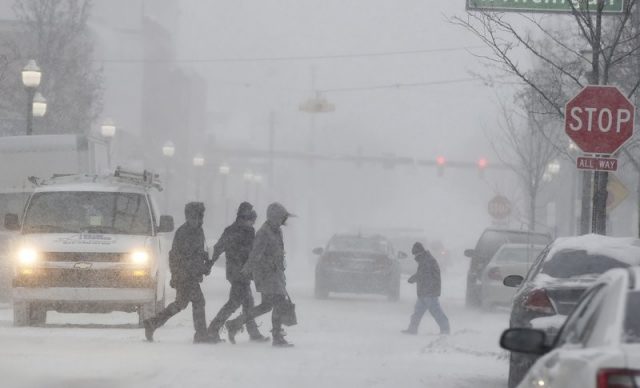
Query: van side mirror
[513,281]
[470,252]
[166,224]
[317,251]
[11,221]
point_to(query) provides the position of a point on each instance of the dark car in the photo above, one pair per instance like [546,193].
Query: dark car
[556,281]
[358,264]
[488,244]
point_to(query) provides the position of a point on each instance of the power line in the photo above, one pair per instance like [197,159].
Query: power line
[291,58]
[401,85]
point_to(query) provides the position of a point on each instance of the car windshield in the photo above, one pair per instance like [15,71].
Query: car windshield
[492,240]
[358,244]
[517,255]
[632,318]
[88,212]
[570,263]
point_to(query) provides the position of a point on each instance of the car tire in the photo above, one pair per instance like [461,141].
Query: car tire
[21,314]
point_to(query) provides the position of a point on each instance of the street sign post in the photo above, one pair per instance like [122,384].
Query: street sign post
[549,6]
[499,207]
[599,119]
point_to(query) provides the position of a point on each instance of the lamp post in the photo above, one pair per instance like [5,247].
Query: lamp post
[198,162]
[168,150]
[224,171]
[31,76]
[108,131]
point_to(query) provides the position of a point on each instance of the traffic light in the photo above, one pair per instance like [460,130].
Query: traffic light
[482,165]
[440,162]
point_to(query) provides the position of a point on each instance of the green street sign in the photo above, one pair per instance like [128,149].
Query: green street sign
[552,6]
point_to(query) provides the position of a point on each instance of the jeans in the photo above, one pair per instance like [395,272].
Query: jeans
[185,293]
[269,302]
[431,304]
[240,295]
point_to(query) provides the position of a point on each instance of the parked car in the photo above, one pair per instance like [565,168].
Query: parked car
[510,259]
[488,244]
[358,264]
[556,281]
[598,345]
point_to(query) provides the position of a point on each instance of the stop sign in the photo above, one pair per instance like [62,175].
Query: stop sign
[499,207]
[599,119]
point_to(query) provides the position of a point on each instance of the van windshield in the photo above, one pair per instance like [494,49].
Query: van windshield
[88,212]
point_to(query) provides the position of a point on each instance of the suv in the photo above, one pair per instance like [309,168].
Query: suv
[488,244]
[89,243]
[361,264]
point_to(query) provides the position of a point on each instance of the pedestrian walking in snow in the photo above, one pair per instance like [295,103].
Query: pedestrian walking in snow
[187,262]
[236,243]
[267,266]
[428,287]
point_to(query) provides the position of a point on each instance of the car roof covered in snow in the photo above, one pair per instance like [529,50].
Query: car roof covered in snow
[624,249]
[97,186]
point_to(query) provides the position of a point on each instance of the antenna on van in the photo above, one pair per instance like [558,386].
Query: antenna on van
[146,178]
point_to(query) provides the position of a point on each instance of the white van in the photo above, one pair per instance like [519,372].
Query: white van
[90,243]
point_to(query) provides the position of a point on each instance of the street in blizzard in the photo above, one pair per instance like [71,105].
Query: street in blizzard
[269,194]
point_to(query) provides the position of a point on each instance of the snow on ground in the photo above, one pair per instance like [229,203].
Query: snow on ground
[345,341]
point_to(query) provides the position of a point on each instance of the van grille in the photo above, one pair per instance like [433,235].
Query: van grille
[96,257]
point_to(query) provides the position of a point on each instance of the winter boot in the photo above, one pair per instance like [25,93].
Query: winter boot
[278,339]
[205,338]
[149,328]
[233,327]
[410,330]
[258,338]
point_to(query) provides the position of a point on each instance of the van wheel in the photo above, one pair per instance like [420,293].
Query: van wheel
[38,315]
[21,314]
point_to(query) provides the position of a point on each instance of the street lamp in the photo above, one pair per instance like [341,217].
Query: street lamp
[554,167]
[224,171]
[31,76]
[168,150]
[108,131]
[39,105]
[198,162]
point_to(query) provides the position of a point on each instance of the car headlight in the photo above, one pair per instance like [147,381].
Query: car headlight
[28,257]
[140,257]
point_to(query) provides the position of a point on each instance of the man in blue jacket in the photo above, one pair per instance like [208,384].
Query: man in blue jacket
[428,287]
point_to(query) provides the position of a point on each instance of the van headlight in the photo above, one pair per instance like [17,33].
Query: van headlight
[140,257]
[28,257]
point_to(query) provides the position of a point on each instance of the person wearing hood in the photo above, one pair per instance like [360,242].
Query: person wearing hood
[187,262]
[267,266]
[236,243]
[428,287]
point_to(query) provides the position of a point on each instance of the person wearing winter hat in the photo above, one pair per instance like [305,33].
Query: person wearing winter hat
[236,243]
[427,278]
[267,265]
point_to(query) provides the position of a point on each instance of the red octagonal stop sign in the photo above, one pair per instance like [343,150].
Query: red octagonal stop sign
[599,119]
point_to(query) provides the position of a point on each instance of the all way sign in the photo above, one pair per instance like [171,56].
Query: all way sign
[610,6]
[597,164]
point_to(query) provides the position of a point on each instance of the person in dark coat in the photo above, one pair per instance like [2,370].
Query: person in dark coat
[267,265]
[236,243]
[428,287]
[187,262]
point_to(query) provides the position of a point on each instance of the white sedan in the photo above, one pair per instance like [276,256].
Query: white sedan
[599,343]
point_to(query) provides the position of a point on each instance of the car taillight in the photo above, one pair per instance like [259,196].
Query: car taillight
[618,378]
[494,274]
[538,301]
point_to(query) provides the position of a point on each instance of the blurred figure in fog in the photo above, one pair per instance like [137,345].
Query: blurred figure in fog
[267,265]
[428,287]
[187,262]
[236,243]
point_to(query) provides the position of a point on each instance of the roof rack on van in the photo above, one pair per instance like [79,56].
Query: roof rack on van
[146,178]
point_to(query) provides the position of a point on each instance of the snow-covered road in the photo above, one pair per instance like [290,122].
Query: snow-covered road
[345,341]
